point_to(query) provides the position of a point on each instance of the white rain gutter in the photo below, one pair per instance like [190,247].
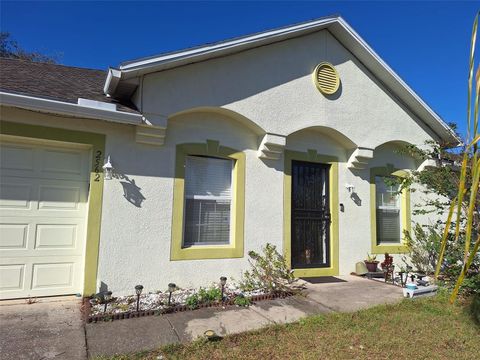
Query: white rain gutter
[68,109]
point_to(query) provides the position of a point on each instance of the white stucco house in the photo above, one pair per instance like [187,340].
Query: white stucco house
[282,136]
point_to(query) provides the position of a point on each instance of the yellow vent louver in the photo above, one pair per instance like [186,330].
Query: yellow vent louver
[326,78]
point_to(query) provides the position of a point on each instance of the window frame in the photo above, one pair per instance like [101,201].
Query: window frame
[231,204]
[405,213]
[235,248]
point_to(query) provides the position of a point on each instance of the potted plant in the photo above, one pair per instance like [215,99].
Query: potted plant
[371,262]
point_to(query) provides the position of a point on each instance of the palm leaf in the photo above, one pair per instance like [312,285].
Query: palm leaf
[471,206]
[470,74]
[465,268]
[444,238]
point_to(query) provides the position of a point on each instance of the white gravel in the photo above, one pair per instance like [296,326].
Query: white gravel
[158,300]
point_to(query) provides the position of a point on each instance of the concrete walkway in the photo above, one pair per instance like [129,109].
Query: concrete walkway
[53,330]
[133,335]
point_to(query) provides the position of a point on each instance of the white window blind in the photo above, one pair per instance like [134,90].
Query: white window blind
[388,212]
[208,198]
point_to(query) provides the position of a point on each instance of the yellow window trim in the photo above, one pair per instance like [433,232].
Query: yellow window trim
[197,252]
[311,156]
[97,144]
[389,170]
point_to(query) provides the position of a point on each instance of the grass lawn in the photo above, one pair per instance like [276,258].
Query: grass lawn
[426,328]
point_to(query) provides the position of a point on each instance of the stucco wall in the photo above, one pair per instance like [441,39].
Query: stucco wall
[268,89]
[272,86]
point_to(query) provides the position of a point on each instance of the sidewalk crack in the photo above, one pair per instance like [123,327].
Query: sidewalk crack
[174,330]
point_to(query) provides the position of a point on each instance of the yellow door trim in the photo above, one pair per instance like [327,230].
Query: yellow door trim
[311,156]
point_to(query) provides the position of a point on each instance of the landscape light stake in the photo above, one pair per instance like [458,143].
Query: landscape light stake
[223,282]
[107,296]
[138,291]
[171,288]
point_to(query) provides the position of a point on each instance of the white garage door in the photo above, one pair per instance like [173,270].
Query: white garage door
[43,207]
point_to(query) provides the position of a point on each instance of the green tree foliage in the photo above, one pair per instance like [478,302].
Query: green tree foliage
[9,48]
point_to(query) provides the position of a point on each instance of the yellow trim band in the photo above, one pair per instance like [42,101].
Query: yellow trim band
[311,156]
[235,248]
[389,170]
[97,143]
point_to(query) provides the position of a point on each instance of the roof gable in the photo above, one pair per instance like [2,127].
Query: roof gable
[122,82]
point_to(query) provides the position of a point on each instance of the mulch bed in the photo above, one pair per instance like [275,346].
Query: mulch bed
[89,318]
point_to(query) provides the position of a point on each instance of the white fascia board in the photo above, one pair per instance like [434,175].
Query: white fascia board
[67,109]
[163,62]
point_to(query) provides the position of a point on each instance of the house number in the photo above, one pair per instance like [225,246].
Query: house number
[98,157]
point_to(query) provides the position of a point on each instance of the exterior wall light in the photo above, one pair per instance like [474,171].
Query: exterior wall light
[223,282]
[350,188]
[108,169]
[138,291]
[171,288]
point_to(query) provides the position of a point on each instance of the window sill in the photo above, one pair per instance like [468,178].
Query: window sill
[391,249]
[203,252]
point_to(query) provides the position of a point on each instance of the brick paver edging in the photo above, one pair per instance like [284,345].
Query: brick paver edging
[86,308]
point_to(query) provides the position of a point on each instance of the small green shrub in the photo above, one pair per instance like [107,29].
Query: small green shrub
[424,247]
[471,285]
[269,272]
[210,295]
[241,300]
[192,301]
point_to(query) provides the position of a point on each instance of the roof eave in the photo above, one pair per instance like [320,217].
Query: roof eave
[67,109]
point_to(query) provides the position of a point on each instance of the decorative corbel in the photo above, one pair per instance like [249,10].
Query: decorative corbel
[152,131]
[272,146]
[360,158]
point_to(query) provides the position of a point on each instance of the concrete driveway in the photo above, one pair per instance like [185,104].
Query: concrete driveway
[51,328]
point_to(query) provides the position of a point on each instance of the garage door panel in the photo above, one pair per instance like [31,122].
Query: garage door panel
[56,236]
[12,277]
[13,236]
[53,275]
[43,206]
[40,276]
[54,197]
[42,197]
[62,162]
[18,159]
[14,195]
[45,162]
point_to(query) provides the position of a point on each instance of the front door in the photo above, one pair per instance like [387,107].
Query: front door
[310,215]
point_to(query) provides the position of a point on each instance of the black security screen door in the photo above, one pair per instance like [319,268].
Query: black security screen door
[310,215]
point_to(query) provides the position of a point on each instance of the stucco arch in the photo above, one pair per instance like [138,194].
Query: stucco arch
[388,153]
[253,126]
[340,138]
[392,143]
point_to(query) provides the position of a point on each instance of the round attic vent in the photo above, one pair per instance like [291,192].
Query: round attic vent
[326,78]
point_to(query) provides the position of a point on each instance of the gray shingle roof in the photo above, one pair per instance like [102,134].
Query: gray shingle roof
[55,82]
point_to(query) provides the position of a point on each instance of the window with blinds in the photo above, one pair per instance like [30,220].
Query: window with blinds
[208,200]
[388,212]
